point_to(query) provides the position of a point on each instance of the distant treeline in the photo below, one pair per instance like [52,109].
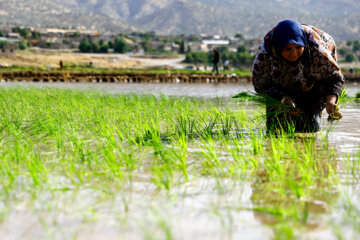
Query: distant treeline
[25,33]
[236,59]
[119,45]
[348,51]
[20,45]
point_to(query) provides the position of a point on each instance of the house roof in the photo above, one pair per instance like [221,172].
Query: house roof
[216,42]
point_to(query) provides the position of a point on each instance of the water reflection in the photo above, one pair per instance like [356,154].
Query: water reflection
[222,90]
[346,135]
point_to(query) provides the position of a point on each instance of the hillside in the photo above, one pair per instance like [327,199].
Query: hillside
[56,13]
[227,17]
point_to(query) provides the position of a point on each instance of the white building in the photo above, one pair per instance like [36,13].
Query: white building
[211,44]
[207,45]
[197,47]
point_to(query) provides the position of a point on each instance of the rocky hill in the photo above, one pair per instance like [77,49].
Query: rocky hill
[227,17]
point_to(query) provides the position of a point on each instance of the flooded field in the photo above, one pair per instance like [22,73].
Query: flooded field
[170,161]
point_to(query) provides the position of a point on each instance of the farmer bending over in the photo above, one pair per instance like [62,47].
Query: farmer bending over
[296,64]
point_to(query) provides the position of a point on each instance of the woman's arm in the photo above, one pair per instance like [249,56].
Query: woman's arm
[333,81]
[332,77]
[324,61]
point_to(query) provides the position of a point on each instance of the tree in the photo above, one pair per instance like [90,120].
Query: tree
[350,58]
[198,57]
[343,51]
[121,46]
[182,47]
[145,45]
[49,44]
[241,49]
[104,48]
[35,35]
[95,47]
[146,36]
[110,44]
[189,58]
[194,38]
[24,32]
[75,35]
[239,36]
[188,49]
[22,45]
[223,49]
[85,46]
[356,46]
[2,43]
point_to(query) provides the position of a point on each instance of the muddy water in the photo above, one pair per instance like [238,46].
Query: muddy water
[347,131]
[198,209]
[169,89]
[221,90]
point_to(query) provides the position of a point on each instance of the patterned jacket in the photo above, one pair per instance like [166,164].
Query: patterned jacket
[317,68]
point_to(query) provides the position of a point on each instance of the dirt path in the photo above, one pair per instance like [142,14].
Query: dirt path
[143,62]
[51,59]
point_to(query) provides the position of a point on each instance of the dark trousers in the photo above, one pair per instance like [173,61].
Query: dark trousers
[307,118]
[283,120]
[216,68]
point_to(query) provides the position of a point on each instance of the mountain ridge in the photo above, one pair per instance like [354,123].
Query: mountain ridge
[226,17]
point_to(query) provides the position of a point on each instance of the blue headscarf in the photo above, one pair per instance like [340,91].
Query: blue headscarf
[288,31]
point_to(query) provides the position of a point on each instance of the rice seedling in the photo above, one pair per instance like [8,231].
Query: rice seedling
[146,150]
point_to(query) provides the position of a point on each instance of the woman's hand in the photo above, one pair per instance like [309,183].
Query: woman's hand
[288,101]
[331,108]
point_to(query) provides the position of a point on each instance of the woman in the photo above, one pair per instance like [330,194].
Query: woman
[296,64]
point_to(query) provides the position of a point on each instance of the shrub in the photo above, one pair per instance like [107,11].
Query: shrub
[350,58]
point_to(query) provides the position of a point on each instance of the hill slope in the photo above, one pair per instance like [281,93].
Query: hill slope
[252,18]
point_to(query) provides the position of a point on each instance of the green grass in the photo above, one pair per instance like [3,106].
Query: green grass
[131,156]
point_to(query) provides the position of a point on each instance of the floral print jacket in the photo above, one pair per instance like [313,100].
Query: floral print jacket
[317,68]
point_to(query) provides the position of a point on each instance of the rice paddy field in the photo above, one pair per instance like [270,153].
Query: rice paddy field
[151,161]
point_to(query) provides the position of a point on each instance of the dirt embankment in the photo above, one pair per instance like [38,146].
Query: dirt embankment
[352,77]
[33,76]
[128,77]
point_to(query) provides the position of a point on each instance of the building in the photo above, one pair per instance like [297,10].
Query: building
[13,35]
[8,49]
[197,47]
[207,45]
[211,44]
[171,47]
